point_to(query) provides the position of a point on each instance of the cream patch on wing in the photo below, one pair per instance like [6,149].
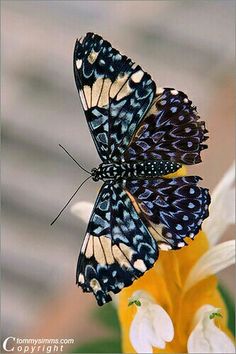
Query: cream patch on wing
[85,242]
[95,285]
[96,90]
[128,251]
[98,251]
[87,92]
[92,57]
[120,257]
[106,244]
[117,84]
[89,249]
[136,77]
[125,91]
[159,90]
[104,97]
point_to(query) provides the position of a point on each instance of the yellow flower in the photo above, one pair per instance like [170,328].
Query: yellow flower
[177,307]
[165,283]
[178,302]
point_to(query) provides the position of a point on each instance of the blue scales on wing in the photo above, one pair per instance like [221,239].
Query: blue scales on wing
[115,93]
[171,208]
[170,130]
[117,248]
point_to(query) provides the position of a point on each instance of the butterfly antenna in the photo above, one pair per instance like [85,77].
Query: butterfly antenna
[74,159]
[69,200]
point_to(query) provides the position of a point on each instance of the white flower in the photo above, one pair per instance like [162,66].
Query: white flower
[151,326]
[222,214]
[222,207]
[206,337]
[214,260]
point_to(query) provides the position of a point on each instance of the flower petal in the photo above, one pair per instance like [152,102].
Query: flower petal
[140,333]
[151,326]
[206,337]
[83,210]
[162,323]
[222,207]
[216,259]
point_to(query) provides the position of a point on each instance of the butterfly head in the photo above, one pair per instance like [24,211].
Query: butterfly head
[96,174]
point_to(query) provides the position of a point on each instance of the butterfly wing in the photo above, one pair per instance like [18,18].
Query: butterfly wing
[128,118]
[115,93]
[170,130]
[171,208]
[117,247]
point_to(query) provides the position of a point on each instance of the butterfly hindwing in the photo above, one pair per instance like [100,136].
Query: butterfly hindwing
[171,208]
[117,247]
[115,93]
[171,130]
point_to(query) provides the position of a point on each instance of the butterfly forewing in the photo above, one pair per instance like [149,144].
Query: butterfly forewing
[117,248]
[115,93]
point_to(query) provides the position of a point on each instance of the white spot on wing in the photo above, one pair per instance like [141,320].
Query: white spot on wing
[139,264]
[164,246]
[181,244]
[83,100]
[79,63]
[81,278]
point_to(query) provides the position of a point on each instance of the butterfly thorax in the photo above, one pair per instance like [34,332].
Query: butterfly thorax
[133,170]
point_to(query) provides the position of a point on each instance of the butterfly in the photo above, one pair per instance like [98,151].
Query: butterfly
[142,133]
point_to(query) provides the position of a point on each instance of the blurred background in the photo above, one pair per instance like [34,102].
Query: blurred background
[188,45]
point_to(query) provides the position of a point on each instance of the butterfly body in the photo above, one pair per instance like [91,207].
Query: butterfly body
[142,133]
[144,169]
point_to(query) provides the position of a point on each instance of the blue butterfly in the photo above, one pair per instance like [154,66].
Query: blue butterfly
[142,133]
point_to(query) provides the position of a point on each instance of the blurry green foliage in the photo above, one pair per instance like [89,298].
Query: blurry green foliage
[230,307]
[106,345]
[107,316]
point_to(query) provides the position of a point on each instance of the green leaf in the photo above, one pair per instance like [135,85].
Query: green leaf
[136,302]
[106,345]
[215,314]
[230,307]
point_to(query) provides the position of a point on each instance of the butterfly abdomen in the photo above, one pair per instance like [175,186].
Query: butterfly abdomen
[135,170]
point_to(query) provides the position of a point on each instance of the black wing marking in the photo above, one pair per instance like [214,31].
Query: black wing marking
[115,93]
[117,247]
